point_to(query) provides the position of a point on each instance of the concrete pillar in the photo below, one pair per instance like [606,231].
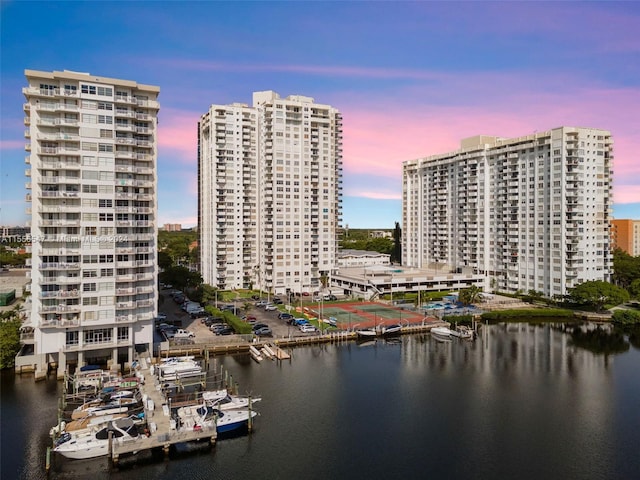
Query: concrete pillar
[62,364]
[41,367]
[80,360]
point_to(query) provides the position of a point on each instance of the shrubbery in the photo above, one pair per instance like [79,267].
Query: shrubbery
[626,317]
[524,314]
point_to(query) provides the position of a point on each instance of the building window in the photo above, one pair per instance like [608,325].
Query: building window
[123,333]
[71,338]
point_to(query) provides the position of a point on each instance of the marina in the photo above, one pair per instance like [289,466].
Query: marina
[464,398]
[175,408]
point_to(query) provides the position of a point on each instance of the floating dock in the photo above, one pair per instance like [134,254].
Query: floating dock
[157,412]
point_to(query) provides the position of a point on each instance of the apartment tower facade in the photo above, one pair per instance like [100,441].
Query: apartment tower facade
[625,235]
[269,193]
[92,154]
[530,213]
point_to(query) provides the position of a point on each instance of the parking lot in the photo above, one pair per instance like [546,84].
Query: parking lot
[175,315]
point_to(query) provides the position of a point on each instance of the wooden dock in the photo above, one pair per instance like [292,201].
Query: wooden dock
[335,336]
[161,434]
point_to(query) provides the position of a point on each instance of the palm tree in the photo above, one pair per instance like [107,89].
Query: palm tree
[469,295]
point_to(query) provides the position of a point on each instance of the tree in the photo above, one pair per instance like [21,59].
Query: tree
[164,260]
[634,288]
[470,295]
[181,277]
[10,324]
[598,294]
[626,268]
[396,255]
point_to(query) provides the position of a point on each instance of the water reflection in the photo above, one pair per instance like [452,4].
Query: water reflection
[524,401]
[601,340]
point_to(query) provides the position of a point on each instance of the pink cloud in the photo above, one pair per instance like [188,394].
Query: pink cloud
[321,70]
[626,194]
[379,138]
[177,135]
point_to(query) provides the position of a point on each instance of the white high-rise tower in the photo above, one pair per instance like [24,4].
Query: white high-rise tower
[92,154]
[270,192]
[531,213]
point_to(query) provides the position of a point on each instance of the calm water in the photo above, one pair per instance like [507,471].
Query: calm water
[523,401]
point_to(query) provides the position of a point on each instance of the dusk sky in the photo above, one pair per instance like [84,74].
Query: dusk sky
[410,78]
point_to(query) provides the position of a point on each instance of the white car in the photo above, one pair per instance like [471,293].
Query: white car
[270,307]
[307,328]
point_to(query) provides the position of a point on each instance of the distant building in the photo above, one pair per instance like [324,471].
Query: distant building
[528,213]
[269,193]
[14,233]
[380,234]
[360,258]
[172,227]
[625,235]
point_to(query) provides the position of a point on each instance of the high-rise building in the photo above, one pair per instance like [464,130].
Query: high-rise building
[625,235]
[530,213]
[91,154]
[269,193]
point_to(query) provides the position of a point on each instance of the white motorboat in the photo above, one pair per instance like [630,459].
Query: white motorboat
[441,331]
[222,400]
[207,417]
[172,370]
[366,332]
[100,407]
[390,329]
[464,332]
[89,444]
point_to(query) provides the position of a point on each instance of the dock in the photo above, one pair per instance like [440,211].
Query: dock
[161,433]
[277,344]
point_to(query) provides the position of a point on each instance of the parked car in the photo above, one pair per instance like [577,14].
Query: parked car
[331,297]
[258,326]
[307,328]
[255,297]
[270,307]
[166,326]
[180,333]
[227,330]
[261,303]
[277,301]
[284,316]
[299,321]
[249,318]
[264,332]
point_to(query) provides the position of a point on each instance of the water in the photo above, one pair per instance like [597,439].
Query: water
[520,402]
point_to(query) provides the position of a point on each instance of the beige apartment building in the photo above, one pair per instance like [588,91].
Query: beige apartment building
[269,193]
[91,168]
[528,213]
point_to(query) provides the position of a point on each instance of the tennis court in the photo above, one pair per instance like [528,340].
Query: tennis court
[367,314]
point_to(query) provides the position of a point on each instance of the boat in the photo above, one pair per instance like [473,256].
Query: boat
[102,407]
[441,331]
[89,444]
[174,369]
[390,329]
[366,332]
[464,332]
[222,400]
[208,417]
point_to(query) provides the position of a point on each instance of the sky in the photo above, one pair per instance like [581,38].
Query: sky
[411,79]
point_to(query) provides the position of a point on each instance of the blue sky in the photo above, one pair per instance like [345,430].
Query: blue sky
[410,78]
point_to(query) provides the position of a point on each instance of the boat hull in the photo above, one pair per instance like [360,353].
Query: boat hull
[441,331]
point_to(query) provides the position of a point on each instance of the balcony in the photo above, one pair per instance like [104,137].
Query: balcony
[60,308]
[63,323]
[61,294]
